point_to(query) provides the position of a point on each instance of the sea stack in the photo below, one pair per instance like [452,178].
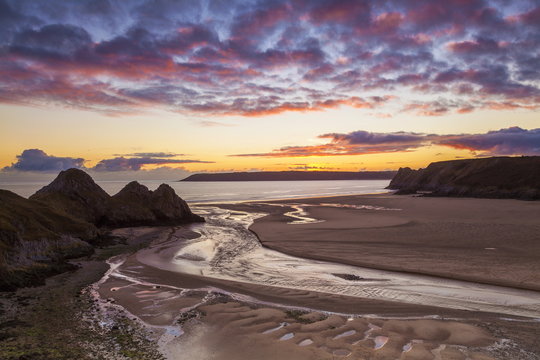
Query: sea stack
[135,205]
[75,192]
[63,220]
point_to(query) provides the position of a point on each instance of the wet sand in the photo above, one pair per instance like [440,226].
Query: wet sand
[482,240]
[198,317]
[219,319]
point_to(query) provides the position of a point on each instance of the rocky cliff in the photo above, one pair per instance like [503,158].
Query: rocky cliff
[64,218]
[35,239]
[497,177]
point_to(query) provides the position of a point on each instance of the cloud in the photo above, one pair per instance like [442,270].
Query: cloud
[208,123]
[370,138]
[263,58]
[307,167]
[38,160]
[510,141]
[136,163]
[152,154]
[50,41]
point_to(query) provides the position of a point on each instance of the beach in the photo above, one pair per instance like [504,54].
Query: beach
[205,300]
[482,240]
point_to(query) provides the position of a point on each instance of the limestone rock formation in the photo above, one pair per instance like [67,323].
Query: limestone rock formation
[75,192]
[497,177]
[135,205]
[63,219]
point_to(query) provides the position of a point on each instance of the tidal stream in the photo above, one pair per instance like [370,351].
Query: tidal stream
[226,249]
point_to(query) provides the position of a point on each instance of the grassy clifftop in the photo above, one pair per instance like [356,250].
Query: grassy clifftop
[63,219]
[35,239]
[497,177]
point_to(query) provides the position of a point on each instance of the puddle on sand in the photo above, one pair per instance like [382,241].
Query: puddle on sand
[287,336]
[346,333]
[380,341]
[407,347]
[305,342]
[276,328]
[341,352]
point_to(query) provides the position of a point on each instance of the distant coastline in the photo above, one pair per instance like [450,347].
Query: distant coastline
[293,176]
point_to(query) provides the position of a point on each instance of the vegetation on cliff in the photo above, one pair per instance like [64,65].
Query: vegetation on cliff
[496,177]
[65,218]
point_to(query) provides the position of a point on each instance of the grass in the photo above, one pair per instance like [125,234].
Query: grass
[52,321]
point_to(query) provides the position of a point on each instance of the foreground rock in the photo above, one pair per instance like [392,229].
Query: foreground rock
[67,217]
[36,239]
[497,177]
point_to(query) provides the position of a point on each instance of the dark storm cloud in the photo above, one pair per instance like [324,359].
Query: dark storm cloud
[38,160]
[237,57]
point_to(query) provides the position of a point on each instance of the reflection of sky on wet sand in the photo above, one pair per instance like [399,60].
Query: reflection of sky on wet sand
[226,249]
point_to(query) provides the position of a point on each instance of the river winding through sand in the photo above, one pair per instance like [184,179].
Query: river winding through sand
[226,249]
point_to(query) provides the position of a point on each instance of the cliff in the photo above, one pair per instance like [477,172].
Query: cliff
[35,239]
[64,218]
[293,176]
[497,177]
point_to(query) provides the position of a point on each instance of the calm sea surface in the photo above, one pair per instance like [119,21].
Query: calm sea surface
[200,192]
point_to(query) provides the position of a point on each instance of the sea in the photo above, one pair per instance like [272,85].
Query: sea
[234,191]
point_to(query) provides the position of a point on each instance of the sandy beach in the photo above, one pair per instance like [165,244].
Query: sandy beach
[196,314]
[482,240]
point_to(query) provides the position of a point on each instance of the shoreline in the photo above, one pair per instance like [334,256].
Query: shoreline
[315,197]
[265,229]
[444,276]
[248,322]
[219,322]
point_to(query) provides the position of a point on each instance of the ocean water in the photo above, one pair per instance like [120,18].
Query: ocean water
[213,191]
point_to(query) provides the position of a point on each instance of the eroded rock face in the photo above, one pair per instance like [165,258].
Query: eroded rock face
[135,205]
[498,177]
[165,204]
[75,192]
[36,239]
[61,221]
[128,207]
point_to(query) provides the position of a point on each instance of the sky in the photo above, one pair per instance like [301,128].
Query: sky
[148,89]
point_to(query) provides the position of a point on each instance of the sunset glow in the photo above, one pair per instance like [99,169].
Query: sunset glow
[118,87]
